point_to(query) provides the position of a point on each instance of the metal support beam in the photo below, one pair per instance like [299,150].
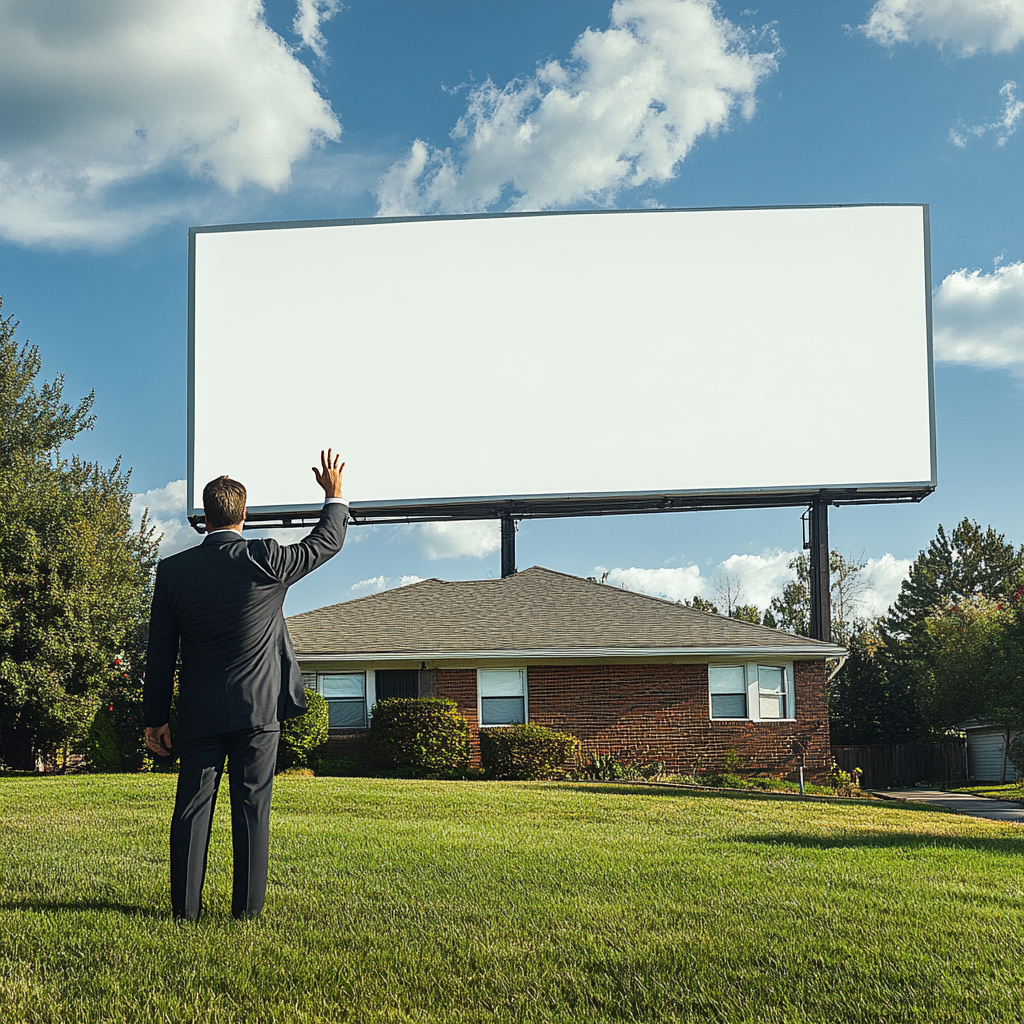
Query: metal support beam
[821,583]
[508,545]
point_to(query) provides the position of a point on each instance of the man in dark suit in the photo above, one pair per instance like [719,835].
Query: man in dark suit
[221,604]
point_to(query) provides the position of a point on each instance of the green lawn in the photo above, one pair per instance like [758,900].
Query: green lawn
[472,902]
[1011,791]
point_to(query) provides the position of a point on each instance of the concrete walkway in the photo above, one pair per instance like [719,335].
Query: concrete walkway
[961,803]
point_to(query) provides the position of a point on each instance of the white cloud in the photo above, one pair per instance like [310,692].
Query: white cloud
[376,584]
[309,16]
[979,318]
[167,514]
[623,111]
[476,538]
[882,578]
[101,94]
[966,27]
[1004,127]
[673,584]
[760,578]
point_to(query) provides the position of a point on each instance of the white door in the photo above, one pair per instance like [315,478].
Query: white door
[985,755]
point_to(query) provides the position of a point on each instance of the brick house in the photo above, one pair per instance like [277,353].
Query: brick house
[615,668]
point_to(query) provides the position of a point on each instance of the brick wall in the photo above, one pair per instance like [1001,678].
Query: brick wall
[349,744]
[459,685]
[663,708]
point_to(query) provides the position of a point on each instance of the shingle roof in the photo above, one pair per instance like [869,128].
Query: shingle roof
[536,610]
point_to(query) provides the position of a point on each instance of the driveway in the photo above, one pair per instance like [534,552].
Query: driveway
[961,803]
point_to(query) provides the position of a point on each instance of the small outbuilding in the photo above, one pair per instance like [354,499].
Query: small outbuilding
[617,669]
[988,753]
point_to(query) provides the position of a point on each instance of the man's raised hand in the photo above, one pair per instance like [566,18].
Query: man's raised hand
[329,474]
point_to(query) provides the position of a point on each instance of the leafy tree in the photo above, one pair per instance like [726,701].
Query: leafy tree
[701,605]
[747,613]
[102,747]
[955,570]
[943,653]
[969,562]
[957,667]
[792,609]
[74,574]
[868,702]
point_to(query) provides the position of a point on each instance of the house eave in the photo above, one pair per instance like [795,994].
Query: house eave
[790,651]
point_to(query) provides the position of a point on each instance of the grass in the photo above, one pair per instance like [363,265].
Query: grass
[399,901]
[1012,791]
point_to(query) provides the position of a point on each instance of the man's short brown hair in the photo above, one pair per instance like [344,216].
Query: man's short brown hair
[223,503]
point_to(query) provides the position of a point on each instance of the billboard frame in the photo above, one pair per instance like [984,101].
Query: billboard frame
[544,506]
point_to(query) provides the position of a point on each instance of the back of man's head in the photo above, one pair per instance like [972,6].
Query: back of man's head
[223,503]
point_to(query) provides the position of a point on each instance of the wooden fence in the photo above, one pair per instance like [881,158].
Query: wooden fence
[890,765]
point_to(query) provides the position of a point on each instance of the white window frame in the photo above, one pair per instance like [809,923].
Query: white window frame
[368,690]
[754,690]
[480,703]
[746,692]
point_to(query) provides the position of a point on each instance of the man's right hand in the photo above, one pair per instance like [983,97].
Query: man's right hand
[329,474]
[158,739]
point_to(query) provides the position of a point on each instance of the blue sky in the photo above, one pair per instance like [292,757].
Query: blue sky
[123,123]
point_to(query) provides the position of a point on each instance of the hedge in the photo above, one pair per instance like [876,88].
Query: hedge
[103,752]
[528,751]
[419,735]
[301,736]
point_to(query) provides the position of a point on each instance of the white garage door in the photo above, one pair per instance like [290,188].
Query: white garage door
[985,755]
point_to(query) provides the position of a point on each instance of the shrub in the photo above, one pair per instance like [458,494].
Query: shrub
[101,745]
[844,783]
[345,765]
[527,751]
[419,735]
[301,736]
[628,763]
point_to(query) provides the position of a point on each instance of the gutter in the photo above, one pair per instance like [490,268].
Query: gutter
[804,651]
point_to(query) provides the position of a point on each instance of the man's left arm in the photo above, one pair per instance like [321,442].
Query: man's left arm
[290,562]
[161,659]
[293,561]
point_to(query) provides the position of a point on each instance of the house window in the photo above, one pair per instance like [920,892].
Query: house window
[502,696]
[771,691]
[345,693]
[728,686]
[760,693]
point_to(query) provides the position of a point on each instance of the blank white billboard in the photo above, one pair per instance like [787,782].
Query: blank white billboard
[605,353]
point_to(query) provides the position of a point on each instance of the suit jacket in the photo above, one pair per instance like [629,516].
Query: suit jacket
[221,603]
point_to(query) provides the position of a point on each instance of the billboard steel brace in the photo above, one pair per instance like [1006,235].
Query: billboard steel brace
[821,584]
[508,545]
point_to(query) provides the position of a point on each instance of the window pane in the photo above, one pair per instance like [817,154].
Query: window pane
[349,684]
[501,683]
[502,710]
[772,707]
[346,714]
[770,680]
[727,679]
[729,705]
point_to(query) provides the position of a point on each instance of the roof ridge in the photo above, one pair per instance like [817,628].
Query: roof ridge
[365,597]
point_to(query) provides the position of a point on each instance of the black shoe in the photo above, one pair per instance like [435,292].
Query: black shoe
[180,917]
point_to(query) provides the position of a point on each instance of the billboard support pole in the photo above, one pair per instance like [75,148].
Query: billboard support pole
[508,545]
[821,584]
